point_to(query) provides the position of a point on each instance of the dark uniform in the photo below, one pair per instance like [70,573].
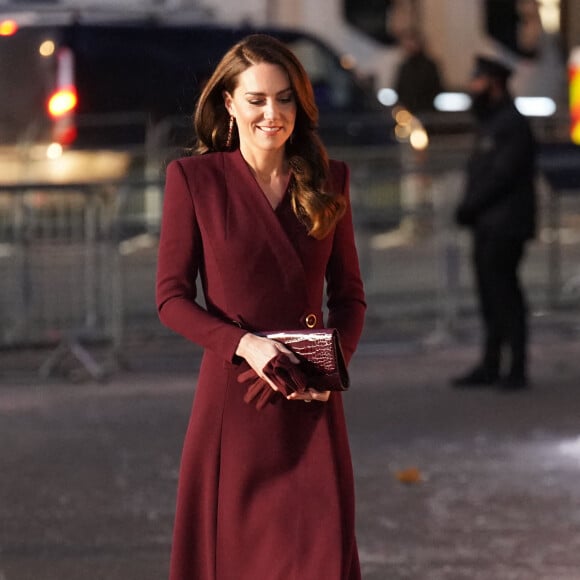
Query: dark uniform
[499,205]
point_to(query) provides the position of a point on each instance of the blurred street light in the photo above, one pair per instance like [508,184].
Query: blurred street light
[452,102]
[535,106]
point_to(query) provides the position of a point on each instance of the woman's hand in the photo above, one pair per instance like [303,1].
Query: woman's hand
[258,351]
[310,395]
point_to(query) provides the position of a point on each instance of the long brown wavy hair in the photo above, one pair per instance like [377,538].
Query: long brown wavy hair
[317,209]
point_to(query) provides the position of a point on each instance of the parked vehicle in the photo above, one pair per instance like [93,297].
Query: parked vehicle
[113,84]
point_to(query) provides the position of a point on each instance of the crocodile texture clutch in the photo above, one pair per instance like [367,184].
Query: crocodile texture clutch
[320,354]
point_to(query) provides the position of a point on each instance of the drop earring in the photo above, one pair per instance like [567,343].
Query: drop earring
[230,132]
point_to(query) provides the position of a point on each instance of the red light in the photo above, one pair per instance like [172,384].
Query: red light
[8,27]
[62,102]
[65,135]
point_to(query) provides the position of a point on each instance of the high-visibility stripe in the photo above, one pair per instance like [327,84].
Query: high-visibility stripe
[575,132]
[575,107]
[574,87]
[574,94]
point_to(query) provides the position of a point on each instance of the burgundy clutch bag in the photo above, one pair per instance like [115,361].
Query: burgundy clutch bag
[320,355]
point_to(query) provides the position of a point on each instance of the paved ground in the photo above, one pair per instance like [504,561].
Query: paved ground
[89,470]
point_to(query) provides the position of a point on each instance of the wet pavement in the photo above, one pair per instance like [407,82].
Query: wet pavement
[498,494]
[451,485]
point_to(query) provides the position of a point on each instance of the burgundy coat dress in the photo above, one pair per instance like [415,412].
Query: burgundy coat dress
[262,495]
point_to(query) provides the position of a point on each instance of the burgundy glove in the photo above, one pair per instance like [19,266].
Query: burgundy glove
[259,390]
[285,374]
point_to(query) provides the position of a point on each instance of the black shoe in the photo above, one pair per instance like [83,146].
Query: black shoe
[478,377]
[514,383]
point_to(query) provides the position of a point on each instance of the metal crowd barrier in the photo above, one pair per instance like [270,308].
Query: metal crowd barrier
[560,165]
[416,262]
[77,261]
[61,273]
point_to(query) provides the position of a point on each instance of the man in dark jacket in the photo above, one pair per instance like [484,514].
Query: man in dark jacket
[418,80]
[499,206]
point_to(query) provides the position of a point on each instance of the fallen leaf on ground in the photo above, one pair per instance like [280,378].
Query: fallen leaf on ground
[409,475]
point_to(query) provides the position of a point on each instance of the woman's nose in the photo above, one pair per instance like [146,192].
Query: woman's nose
[270,110]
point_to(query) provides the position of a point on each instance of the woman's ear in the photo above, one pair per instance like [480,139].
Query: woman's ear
[228,102]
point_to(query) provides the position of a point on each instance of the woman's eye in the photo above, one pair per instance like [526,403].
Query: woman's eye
[262,102]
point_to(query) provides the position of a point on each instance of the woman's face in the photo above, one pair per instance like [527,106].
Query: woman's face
[264,107]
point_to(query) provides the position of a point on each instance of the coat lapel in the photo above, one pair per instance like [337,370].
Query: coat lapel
[244,195]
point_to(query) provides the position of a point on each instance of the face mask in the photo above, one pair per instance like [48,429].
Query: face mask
[481,103]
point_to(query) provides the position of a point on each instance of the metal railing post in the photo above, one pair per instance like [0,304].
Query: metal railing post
[554,265]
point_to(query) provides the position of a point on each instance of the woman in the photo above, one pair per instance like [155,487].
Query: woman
[263,217]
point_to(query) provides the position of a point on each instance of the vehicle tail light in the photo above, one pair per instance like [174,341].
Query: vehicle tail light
[62,102]
[65,134]
[8,27]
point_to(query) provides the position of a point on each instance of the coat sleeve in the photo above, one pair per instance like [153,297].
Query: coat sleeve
[179,258]
[345,293]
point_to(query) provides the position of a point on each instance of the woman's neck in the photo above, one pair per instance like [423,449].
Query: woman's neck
[271,173]
[271,165]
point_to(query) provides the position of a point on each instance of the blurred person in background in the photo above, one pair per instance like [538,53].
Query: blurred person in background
[499,207]
[417,83]
[418,80]
[263,217]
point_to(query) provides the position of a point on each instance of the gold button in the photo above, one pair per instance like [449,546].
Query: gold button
[311,320]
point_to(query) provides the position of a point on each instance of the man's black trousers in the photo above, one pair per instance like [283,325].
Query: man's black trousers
[502,303]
